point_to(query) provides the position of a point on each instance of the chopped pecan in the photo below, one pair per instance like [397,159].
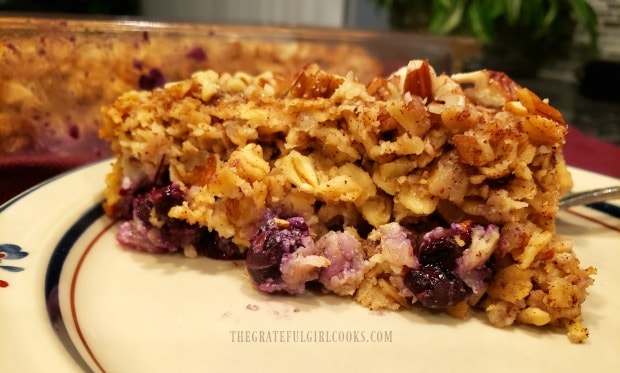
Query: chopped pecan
[535,105]
[419,81]
[507,86]
[311,82]
[202,173]
[378,88]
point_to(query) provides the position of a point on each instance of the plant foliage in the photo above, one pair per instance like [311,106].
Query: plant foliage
[487,19]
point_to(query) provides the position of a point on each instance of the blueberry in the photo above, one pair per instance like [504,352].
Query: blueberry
[435,288]
[167,197]
[441,252]
[160,199]
[142,207]
[214,246]
[436,284]
[264,257]
[273,240]
[441,280]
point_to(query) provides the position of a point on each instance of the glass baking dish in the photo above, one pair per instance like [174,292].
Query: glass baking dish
[55,74]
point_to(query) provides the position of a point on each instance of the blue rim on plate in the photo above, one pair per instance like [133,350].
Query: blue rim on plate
[52,278]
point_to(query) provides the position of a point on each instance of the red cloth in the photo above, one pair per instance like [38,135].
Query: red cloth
[18,173]
[591,154]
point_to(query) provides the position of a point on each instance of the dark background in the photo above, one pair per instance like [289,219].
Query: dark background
[111,7]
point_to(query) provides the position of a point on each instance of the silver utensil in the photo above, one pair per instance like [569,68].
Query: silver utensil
[590,196]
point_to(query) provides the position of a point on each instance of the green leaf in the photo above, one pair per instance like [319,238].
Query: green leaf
[586,16]
[513,10]
[481,26]
[445,4]
[544,18]
[494,9]
[551,14]
[447,16]
[583,11]
[527,13]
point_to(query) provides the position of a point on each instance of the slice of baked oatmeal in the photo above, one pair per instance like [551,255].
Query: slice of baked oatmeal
[415,188]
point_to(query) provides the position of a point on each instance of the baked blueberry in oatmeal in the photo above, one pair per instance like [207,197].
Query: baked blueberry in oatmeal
[413,190]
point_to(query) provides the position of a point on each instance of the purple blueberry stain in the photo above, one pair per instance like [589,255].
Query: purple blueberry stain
[151,80]
[138,64]
[197,54]
[13,48]
[144,202]
[74,131]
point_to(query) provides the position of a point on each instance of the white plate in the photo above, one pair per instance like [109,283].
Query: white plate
[124,311]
